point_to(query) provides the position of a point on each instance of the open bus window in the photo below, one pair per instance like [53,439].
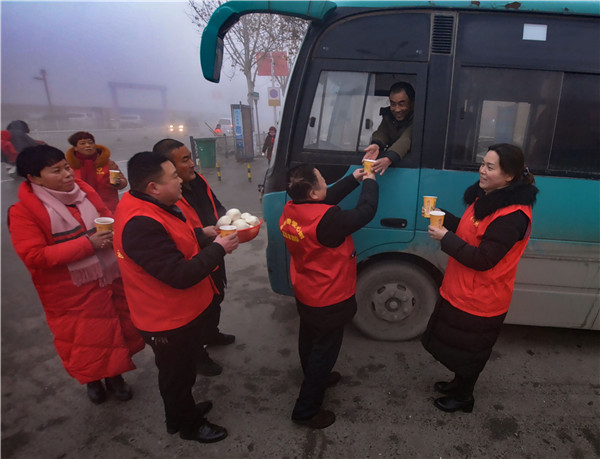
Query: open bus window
[346,109]
[552,116]
[335,116]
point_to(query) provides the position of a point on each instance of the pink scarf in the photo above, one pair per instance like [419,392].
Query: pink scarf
[101,266]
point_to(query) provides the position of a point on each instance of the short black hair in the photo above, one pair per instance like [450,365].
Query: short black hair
[403,86]
[301,179]
[33,159]
[143,168]
[166,146]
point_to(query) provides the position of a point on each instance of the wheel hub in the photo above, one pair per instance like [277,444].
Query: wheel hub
[393,302]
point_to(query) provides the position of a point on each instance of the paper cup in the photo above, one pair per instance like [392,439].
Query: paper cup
[368,164]
[114,176]
[429,204]
[226,230]
[104,223]
[436,218]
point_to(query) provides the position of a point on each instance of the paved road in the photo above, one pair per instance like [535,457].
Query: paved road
[538,397]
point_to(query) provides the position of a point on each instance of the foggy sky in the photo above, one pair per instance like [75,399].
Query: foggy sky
[84,45]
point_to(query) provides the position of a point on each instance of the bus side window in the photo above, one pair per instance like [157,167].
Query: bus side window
[553,116]
[576,145]
[337,109]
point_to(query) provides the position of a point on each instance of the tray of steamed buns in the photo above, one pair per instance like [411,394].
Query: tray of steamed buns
[247,225]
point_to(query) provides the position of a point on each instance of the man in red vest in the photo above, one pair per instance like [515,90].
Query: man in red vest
[167,282]
[318,235]
[202,208]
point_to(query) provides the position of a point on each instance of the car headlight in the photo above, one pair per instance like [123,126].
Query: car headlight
[171,127]
[181,128]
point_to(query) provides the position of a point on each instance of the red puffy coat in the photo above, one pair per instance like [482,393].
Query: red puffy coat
[9,154]
[93,333]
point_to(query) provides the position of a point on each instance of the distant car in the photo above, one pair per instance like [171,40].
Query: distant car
[226,126]
[131,121]
[177,127]
[126,121]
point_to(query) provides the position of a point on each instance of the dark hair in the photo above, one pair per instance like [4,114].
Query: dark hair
[272,128]
[301,180]
[166,146]
[80,135]
[18,125]
[33,159]
[512,162]
[403,86]
[143,168]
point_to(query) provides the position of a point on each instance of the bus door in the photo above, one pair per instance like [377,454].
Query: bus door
[343,100]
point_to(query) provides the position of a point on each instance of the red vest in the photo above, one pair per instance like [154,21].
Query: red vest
[321,276]
[483,293]
[154,305]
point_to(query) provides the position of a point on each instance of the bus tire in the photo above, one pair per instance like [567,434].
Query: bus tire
[395,300]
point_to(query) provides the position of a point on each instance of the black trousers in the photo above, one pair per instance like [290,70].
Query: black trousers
[319,343]
[175,354]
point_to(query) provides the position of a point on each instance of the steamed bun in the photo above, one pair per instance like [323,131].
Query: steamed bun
[234,214]
[240,224]
[253,221]
[224,220]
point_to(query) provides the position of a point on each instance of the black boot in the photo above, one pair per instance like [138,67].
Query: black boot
[444,387]
[119,387]
[96,392]
[205,433]
[455,403]
[202,408]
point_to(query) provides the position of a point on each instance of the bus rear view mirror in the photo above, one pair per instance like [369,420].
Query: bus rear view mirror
[368,124]
[312,121]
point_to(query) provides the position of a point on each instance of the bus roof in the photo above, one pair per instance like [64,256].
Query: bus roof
[226,15]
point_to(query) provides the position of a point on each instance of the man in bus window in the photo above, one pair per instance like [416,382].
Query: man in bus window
[391,141]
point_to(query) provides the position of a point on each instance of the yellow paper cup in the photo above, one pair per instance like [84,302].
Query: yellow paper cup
[114,176]
[436,218]
[429,204]
[226,230]
[368,164]
[104,223]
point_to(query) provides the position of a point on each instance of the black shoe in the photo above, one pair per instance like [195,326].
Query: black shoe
[221,339]
[119,388]
[324,418]
[333,379]
[451,404]
[444,387]
[208,367]
[206,433]
[96,392]
[202,409]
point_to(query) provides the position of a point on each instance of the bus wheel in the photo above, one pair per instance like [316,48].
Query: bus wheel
[395,300]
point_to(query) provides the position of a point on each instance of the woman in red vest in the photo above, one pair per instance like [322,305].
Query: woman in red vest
[485,246]
[318,236]
[92,164]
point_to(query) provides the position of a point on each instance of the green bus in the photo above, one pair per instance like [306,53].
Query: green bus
[484,72]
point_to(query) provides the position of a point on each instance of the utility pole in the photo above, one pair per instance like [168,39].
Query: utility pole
[45,80]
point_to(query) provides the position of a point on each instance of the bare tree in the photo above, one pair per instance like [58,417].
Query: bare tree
[255,35]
